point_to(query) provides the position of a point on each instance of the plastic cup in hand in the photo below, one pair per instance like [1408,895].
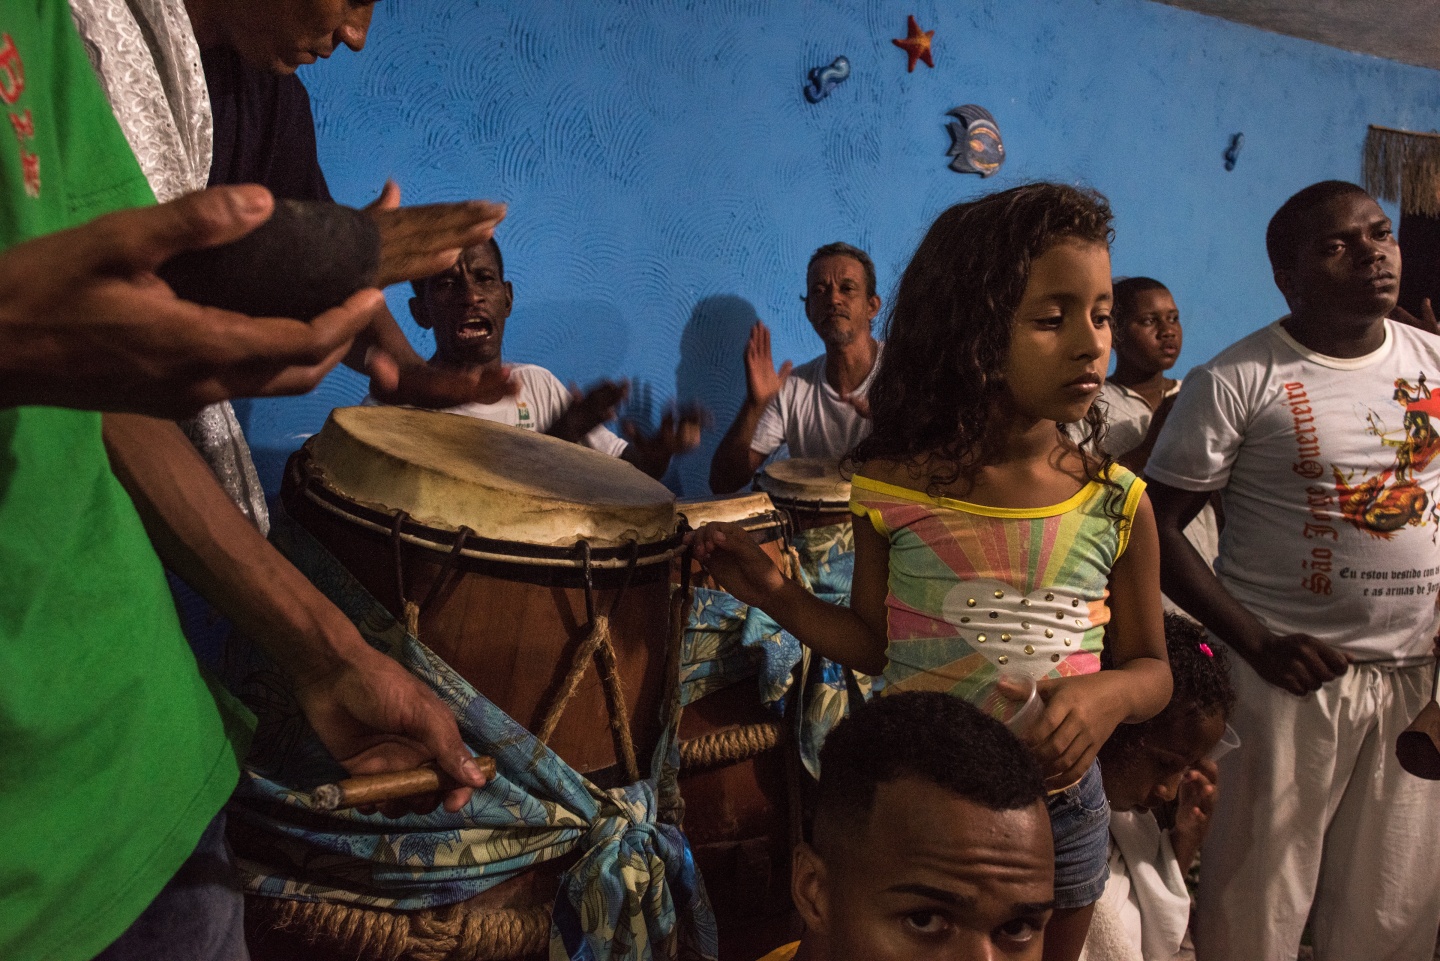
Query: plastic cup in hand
[1228,742]
[1025,695]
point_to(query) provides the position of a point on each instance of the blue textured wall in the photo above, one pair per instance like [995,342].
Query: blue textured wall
[667,181]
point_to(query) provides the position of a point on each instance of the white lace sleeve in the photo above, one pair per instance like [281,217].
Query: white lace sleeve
[148,62]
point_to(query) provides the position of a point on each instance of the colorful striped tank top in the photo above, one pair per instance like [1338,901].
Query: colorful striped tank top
[977,590]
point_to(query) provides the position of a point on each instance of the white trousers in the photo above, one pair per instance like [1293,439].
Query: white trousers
[1314,808]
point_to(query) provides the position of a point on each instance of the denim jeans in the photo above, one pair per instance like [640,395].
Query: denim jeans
[197,916]
[1080,820]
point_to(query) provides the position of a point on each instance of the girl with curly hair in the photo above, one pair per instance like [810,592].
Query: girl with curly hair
[987,541]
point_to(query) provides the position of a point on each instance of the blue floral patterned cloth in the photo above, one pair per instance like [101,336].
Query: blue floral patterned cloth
[727,642]
[633,894]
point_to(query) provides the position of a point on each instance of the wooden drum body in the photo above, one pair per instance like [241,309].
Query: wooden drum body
[540,572]
[736,778]
[501,547]
[740,780]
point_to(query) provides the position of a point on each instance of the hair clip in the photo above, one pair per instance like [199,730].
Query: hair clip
[1205,649]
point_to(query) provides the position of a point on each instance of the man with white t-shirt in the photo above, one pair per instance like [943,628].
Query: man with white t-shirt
[819,408]
[1318,432]
[467,307]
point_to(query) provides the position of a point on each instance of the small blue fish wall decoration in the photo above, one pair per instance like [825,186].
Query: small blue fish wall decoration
[975,141]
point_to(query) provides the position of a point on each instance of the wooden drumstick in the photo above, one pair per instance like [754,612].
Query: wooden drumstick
[397,785]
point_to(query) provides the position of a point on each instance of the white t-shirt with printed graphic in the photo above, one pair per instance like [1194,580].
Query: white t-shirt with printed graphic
[1330,471]
[810,417]
[541,401]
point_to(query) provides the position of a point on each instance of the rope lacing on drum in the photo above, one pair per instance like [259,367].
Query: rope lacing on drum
[598,644]
[729,746]
[410,611]
[450,933]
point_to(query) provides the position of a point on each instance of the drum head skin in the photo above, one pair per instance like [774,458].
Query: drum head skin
[810,480]
[744,509]
[450,471]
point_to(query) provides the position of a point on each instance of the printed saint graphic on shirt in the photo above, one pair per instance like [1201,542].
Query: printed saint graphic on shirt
[1381,504]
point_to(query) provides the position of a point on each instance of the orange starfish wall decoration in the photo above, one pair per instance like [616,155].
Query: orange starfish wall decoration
[916,44]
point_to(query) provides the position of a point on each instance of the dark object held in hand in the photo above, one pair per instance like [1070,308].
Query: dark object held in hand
[307,258]
[1418,746]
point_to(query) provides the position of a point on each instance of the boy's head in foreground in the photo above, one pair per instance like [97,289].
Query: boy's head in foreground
[931,839]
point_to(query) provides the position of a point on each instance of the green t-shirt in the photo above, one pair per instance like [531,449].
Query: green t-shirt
[113,753]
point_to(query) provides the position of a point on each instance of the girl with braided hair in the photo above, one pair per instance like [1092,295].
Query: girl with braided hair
[1162,783]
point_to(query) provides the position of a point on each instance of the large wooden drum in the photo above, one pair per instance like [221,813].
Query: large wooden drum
[502,548]
[738,775]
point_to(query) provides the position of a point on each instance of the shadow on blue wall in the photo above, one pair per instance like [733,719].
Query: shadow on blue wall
[712,372]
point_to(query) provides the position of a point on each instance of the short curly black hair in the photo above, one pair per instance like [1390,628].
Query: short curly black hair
[929,736]
[1127,291]
[1286,231]
[1201,671]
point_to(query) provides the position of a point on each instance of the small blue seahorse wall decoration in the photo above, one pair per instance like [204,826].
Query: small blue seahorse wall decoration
[1232,152]
[975,144]
[825,79]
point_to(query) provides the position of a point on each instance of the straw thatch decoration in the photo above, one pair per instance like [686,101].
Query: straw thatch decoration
[1404,166]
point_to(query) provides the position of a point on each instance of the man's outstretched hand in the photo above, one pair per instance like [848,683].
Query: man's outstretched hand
[417,242]
[589,409]
[762,380]
[679,433]
[86,323]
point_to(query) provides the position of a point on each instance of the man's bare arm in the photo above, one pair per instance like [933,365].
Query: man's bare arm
[1296,662]
[734,462]
[369,712]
